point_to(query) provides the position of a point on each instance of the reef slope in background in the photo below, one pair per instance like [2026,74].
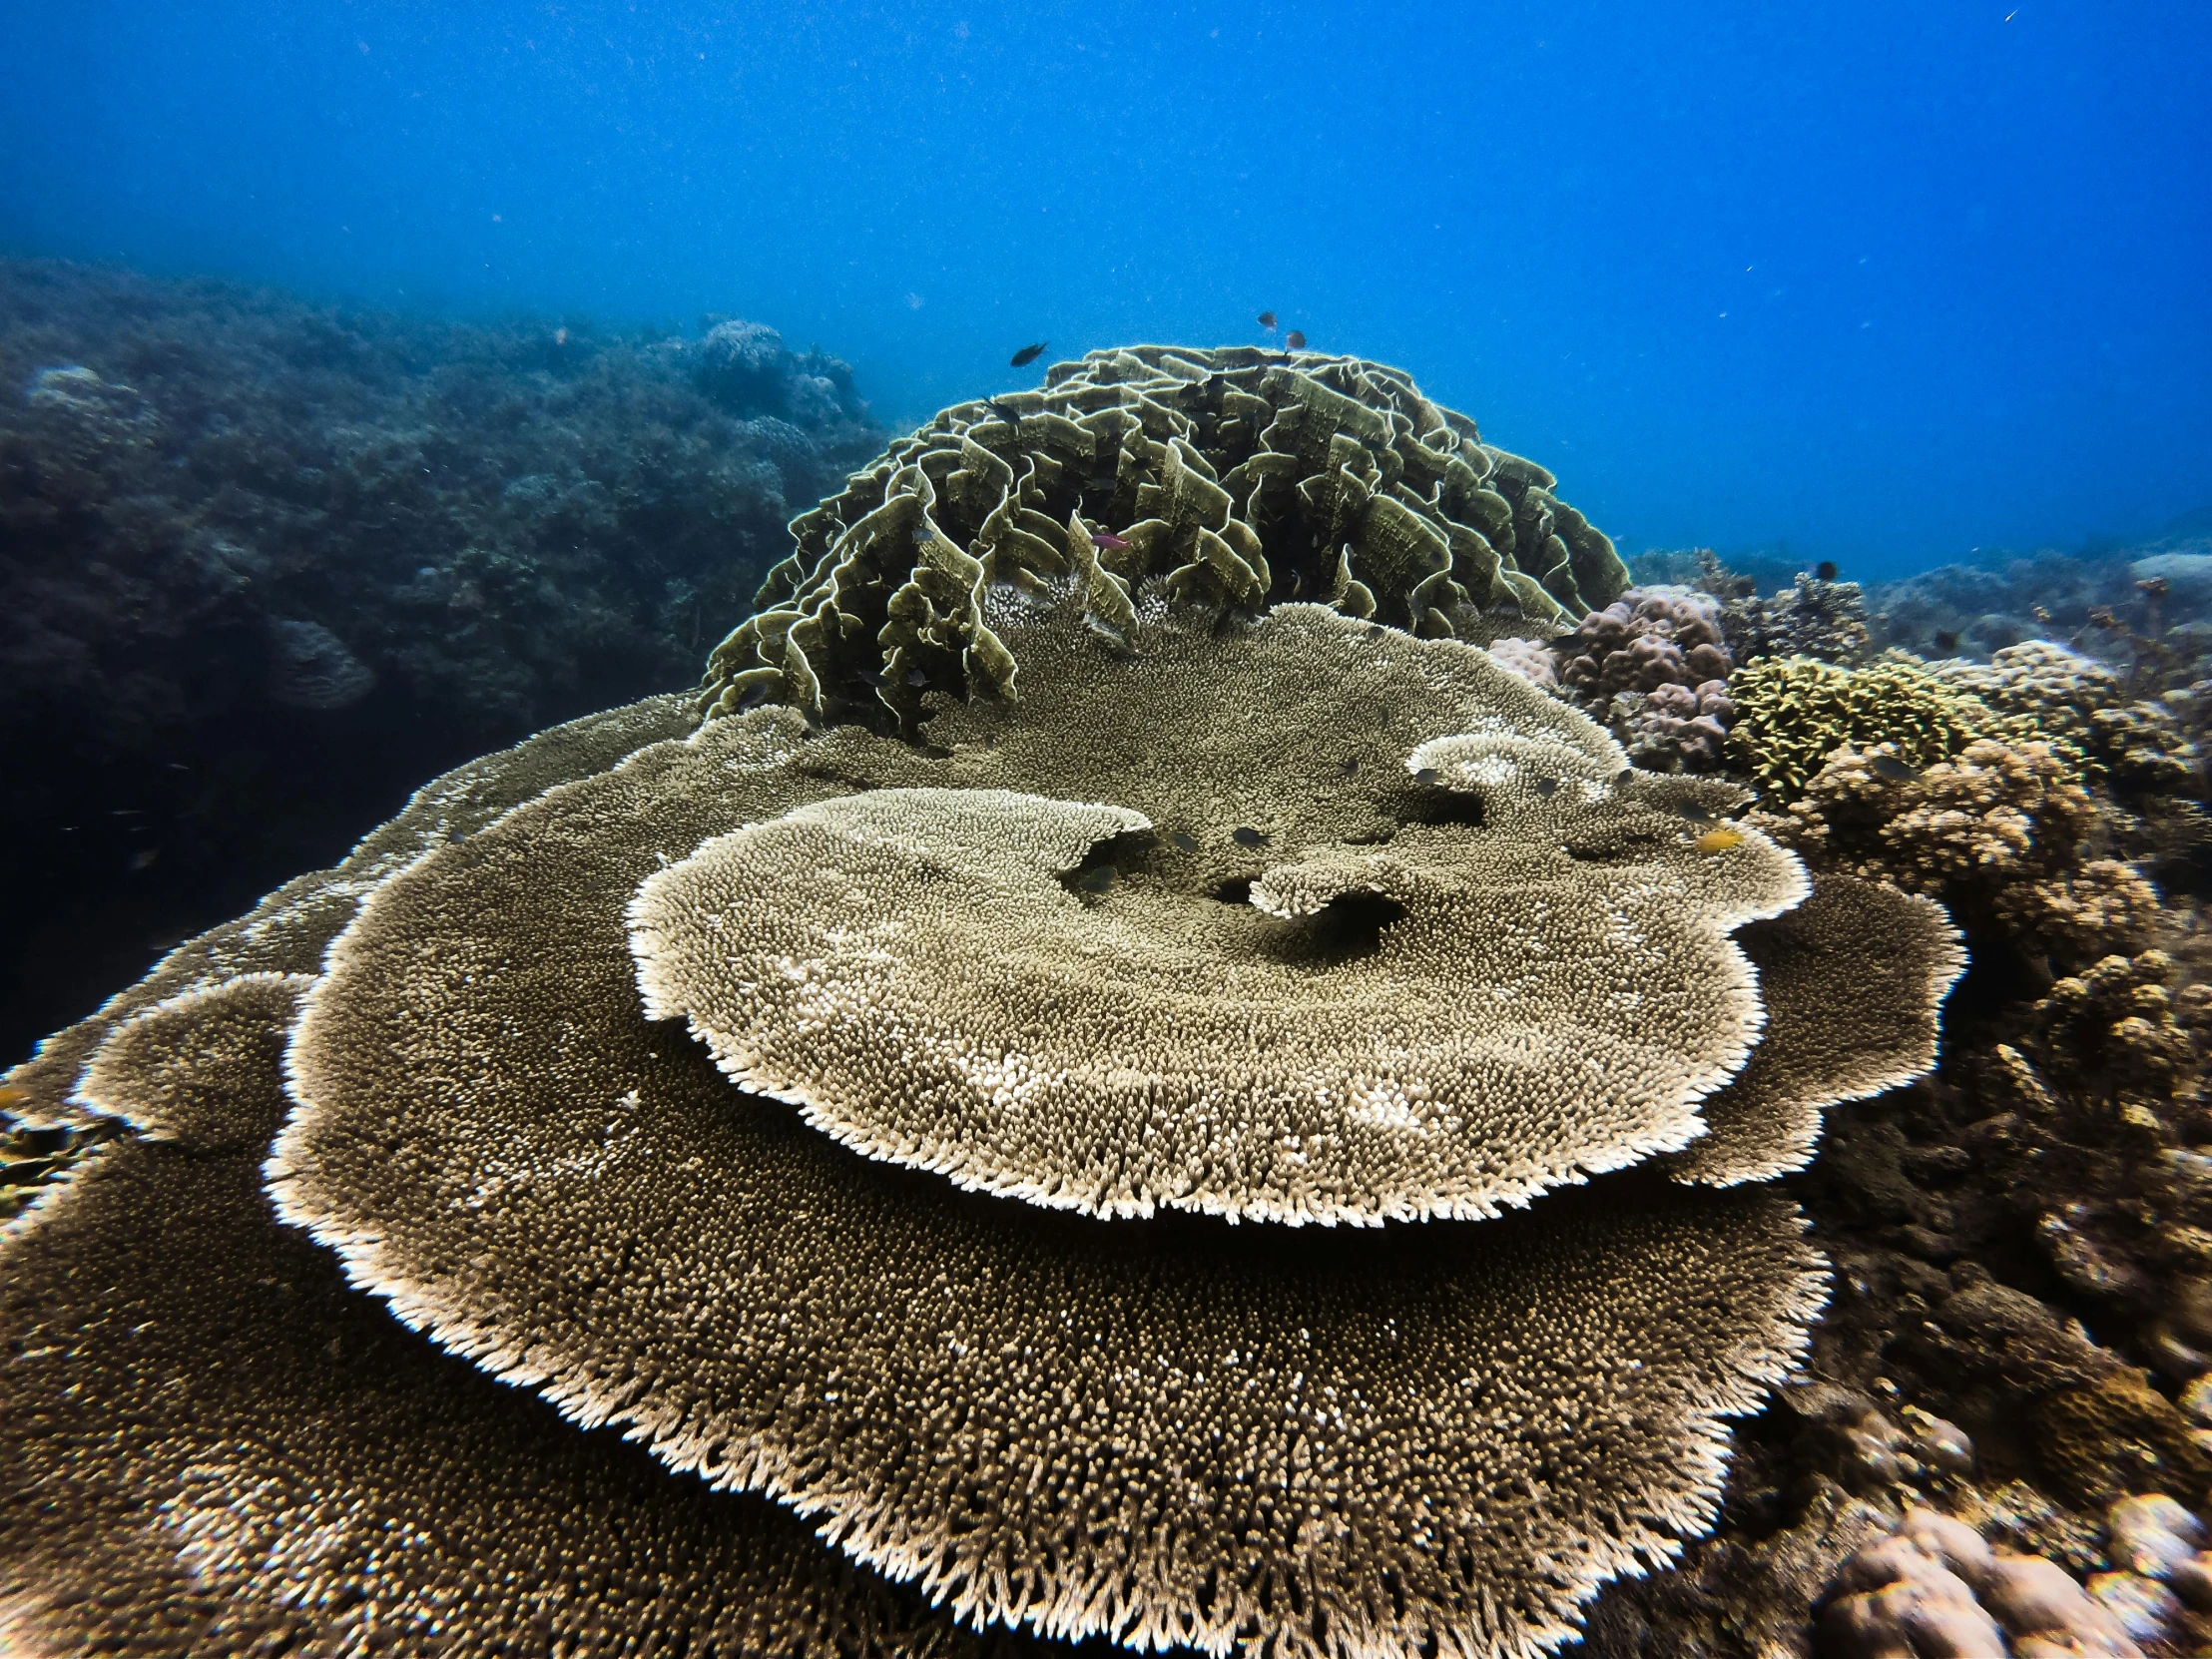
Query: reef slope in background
[268,564]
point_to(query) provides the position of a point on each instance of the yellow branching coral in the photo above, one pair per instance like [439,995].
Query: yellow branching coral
[1792,712]
[1234,476]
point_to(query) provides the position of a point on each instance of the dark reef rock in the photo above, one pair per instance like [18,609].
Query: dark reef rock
[267,564]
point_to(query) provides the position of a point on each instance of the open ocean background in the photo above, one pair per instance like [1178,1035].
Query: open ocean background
[1884,283]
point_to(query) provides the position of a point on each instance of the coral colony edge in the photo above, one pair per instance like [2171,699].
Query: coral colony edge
[1212,1032]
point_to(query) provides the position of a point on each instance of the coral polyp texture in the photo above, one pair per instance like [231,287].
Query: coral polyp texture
[1237,476]
[1397,1019]
[1224,1123]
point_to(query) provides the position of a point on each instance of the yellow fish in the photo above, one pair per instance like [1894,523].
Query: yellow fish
[1718,841]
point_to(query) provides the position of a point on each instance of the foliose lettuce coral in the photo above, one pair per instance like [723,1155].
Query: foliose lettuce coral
[958,1220]
[1240,477]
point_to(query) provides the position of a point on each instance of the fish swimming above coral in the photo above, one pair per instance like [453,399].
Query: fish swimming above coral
[994,1220]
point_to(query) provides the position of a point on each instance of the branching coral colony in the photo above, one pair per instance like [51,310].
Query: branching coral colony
[1116,1073]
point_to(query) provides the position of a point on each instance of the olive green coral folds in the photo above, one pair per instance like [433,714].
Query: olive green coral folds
[1233,477]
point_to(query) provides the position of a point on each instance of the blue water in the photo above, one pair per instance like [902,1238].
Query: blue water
[1879,283]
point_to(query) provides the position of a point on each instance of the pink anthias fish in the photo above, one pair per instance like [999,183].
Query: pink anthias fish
[1106,541]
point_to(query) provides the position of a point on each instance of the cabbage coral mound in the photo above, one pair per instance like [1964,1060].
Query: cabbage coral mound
[945,1144]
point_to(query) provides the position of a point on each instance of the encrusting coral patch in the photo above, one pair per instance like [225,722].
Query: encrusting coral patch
[1235,476]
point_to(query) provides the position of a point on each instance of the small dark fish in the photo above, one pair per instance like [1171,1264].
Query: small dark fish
[1427,775]
[1106,541]
[1890,766]
[915,678]
[1947,640]
[1097,880]
[1184,841]
[1027,354]
[923,535]
[1826,570]
[1375,630]
[1294,340]
[1244,836]
[1011,418]
[1267,320]
[1694,812]
[1547,787]
[1351,768]
[1563,640]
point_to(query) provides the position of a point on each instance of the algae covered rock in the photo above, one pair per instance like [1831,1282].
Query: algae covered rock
[1234,477]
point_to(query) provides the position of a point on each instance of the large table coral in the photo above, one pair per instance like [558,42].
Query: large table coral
[1279,915]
